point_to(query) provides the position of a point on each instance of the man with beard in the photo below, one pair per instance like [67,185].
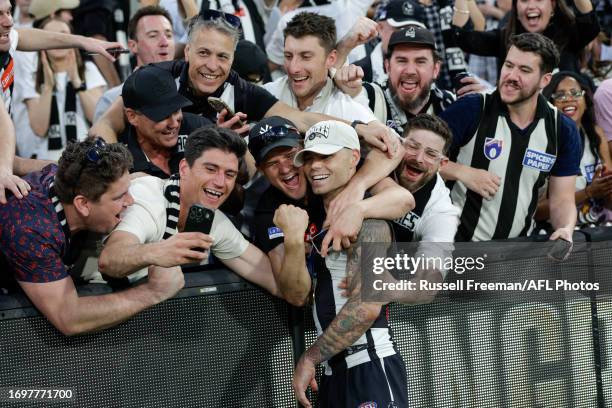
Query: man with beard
[412,65]
[434,218]
[507,144]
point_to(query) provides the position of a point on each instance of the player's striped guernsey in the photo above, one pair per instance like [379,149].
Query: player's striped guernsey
[387,111]
[327,273]
[523,161]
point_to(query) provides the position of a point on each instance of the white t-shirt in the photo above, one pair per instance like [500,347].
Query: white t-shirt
[330,101]
[440,218]
[344,12]
[93,79]
[146,219]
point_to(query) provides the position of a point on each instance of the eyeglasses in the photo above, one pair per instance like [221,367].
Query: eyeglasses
[563,96]
[231,19]
[431,156]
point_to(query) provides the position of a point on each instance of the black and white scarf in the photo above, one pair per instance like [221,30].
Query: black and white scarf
[172,194]
[54,134]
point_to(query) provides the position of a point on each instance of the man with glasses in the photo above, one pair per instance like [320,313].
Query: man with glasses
[206,71]
[434,218]
[273,142]
[355,344]
[507,144]
[40,235]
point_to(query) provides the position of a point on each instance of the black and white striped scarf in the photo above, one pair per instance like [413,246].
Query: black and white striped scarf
[172,194]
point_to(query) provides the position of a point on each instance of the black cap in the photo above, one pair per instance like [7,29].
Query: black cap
[271,133]
[413,36]
[250,61]
[400,13]
[152,91]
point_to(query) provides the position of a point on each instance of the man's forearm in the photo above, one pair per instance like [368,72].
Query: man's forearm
[95,313]
[376,166]
[118,260]
[294,280]
[21,166]
[32,39]
[348,326]
[563,214]
[388,204]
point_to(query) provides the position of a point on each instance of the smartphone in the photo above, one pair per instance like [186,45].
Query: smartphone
[113,51]
[199,219]
[457,84]
[560,250]
[218,105]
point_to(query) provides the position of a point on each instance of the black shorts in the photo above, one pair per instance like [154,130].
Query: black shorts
[379,383]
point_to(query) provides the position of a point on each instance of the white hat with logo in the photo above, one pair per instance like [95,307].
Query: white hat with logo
[327,138]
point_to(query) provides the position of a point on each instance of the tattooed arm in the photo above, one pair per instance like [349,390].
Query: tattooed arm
[352,320]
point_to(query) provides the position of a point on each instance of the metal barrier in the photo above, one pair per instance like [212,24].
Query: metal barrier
[222,342]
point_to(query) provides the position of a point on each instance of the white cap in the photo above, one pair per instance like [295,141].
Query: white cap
[327,138]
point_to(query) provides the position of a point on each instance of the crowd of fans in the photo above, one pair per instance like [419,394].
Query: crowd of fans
[294,121]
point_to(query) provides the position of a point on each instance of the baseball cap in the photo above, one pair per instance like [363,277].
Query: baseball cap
[327,137]
[43,8]
[152,91]
[271,133]
[414,36]
[400,13]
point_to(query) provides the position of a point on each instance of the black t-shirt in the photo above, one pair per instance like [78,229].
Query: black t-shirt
[248,98]
[267,235]
[190,123]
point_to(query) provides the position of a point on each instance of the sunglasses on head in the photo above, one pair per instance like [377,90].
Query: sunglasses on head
[273,134]
[231,19]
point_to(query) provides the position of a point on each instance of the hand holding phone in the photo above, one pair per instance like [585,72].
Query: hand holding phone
[218,105]
[560,250]
[199,219]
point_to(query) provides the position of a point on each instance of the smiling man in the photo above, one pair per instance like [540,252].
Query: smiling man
[355,345]
[507,144]
[150,40]
[309,53]
[158,128]
[39,238]
[151,231]
[412,65]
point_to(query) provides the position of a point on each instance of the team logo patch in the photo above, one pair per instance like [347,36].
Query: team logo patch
[492,148]
[407,9]
[538,160]
[410,32]
[589,172]
[318,131]
[369,404]
[275,232]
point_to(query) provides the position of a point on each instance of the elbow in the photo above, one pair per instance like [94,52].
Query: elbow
[68,327]
[39,130]
[106,267]
[295,299]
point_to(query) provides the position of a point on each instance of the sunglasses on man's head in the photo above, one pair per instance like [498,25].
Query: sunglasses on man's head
[231,19]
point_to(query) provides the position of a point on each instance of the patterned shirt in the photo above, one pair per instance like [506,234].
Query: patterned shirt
[33,231]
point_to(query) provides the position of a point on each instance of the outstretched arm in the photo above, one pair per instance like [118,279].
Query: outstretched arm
[60,303]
